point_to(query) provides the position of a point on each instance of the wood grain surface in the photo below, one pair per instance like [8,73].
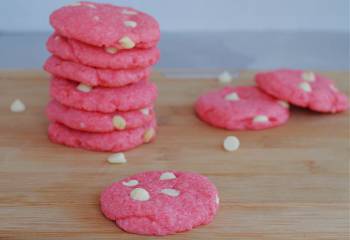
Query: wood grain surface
[290,182]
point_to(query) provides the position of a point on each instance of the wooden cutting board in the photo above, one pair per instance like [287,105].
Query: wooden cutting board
[290,182]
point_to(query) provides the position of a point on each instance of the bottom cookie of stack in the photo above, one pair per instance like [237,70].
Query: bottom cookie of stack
[114,141]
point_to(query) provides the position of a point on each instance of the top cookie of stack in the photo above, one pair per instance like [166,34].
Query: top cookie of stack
[101,61]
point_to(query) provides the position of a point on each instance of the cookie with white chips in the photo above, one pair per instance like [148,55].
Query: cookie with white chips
[160,202]
[106,25]
[241,108]
[304,89]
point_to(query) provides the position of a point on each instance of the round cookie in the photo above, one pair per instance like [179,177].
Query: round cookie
[96,121]
[94,76]
[75,51]
[241,108]
[115,141]
[303,89]
[106,25]
[160,202]
[105,100]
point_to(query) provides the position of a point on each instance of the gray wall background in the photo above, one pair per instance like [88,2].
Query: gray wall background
[205,34]
[199,15]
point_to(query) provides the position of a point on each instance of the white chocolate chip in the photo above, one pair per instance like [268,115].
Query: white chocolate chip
[333,88]
[82,125]
[131,24]
[231,143]
[131,183]
[126,43]
[17,106]
[119,122]
[84,88]
[170,192]
[111,50]
[89,5]
[96,18]
[283,103]
[139,194]
[217,199]
[308,76]
[305,86]
[57,38]
[128,12]
[232,97]
[225,77]
[148,135]
[117,158]
[167,176]
[260,119]
[145,111]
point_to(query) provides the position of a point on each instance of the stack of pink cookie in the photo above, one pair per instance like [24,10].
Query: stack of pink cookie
[101,61]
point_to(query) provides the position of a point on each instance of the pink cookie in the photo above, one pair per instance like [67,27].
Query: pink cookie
[106,100]
[75,51]
[241,108]
[304,89]
[115,141]
[105,25]
[160,203]
[98,122]
[94,76]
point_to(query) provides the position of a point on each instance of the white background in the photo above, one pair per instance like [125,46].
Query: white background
[199,15]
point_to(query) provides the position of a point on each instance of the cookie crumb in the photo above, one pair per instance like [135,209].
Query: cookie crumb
[17,106]
[225,77]
[139,194]
[231,143]
[117,158]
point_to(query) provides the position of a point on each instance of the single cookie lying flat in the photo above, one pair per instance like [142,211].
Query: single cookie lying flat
[160,203]
[73,50]
[115,141]
[98,122]
[106,100]
[304,89]
[94,76]
[106,25]
[241,108]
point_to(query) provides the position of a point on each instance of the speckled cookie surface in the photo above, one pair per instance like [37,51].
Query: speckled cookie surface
[106,100]
[241,108]
[115,141]
[304,89]
[73,50]
[160,202]
[94,76]
[96,121]
[105,24]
